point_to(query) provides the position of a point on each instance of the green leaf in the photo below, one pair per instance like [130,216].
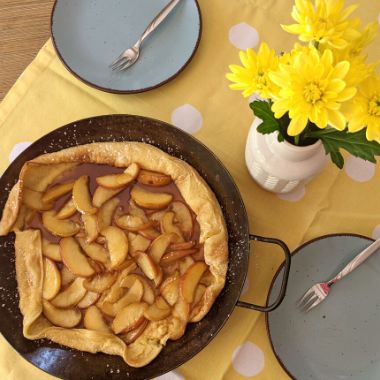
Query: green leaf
[354,143]
[263,110]
[266,128]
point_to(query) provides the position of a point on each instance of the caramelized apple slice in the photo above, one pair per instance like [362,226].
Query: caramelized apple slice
[199,292]
[170,289]
[137,211]
[180,246]
[71,295]
[149,233]
[156,217]
[61,317]
[131,223]
[148,199]
[132,335]
[160,245]
[117,291]
[147,265]
[147,177]
[116,181]
[105,213]
[51,281]
[51,250]
[93,320]
[100,282]
[90,222]
[207,278]
[56,192]
[74,259]
[89,299]
[67,210]
[185,264]
[183,217]
[94,250]
[137,243]
[168,226]
[190,280]
[62,228]
[82,196]
[102,195]
[156,313]
[66,277]
[33,200]
[181,310]
[129,317]
[117,244]
[148,295]
[176,255]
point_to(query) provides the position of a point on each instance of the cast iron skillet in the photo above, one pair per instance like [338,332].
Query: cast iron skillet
[71,364]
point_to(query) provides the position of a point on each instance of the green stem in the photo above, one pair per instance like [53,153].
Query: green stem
[297,140]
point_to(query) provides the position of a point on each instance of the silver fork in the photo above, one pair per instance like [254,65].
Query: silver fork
[129,56]
[318,292]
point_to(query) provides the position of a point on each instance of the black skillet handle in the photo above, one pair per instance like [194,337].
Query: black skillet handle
[281,295]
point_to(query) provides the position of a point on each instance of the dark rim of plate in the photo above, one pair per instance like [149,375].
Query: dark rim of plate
[114,91]
[297,250]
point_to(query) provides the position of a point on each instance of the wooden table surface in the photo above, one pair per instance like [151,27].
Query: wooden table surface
[24,28]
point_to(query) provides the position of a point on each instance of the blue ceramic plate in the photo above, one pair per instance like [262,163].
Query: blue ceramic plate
[90,34]
[340,339]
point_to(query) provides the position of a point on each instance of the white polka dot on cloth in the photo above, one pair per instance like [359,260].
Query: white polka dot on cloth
[358,169]
[243,36]
[245,286]
[17,149]
[376,232]
[248,359]
[171,376]
[293,196]
[187,118]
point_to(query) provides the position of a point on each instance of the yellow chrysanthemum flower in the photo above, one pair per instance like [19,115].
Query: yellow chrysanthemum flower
[253,75]
[312,88]
[324,23]
[364,109]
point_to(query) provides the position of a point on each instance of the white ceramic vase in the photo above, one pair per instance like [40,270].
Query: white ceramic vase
[280,166]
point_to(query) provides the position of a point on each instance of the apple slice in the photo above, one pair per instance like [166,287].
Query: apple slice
[93,320]
[156,217]
[190,280]
[94,250]
[67,210]
[58,227]
[117,291]
[89,299]
[90,222]
[171,268]
[183,217]
[137,211]
[147,177]
[134,294]
[207,278]
[185,264]
[170,289]
[181,310]
[148,296]
[102,195]
[51,250]
[160,245]
[149,233]
[100,282]
[33,200]
[129,317]
[117,244]
[137,243]
[131,223]
[155,313]
[132,335]
[51,281]
[74,259]
[168,226]
[71,295]
[82,196]
[106,212]
[148,199]
[66,277]
[199,292]
[57,191]
[180,246]
[199,255]
[176,255]
[61,317]
[147,265]
[116,181]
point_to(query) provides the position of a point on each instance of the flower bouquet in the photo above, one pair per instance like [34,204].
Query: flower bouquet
[323,89]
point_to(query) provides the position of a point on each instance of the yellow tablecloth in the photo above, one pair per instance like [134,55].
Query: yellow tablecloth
[47,96]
